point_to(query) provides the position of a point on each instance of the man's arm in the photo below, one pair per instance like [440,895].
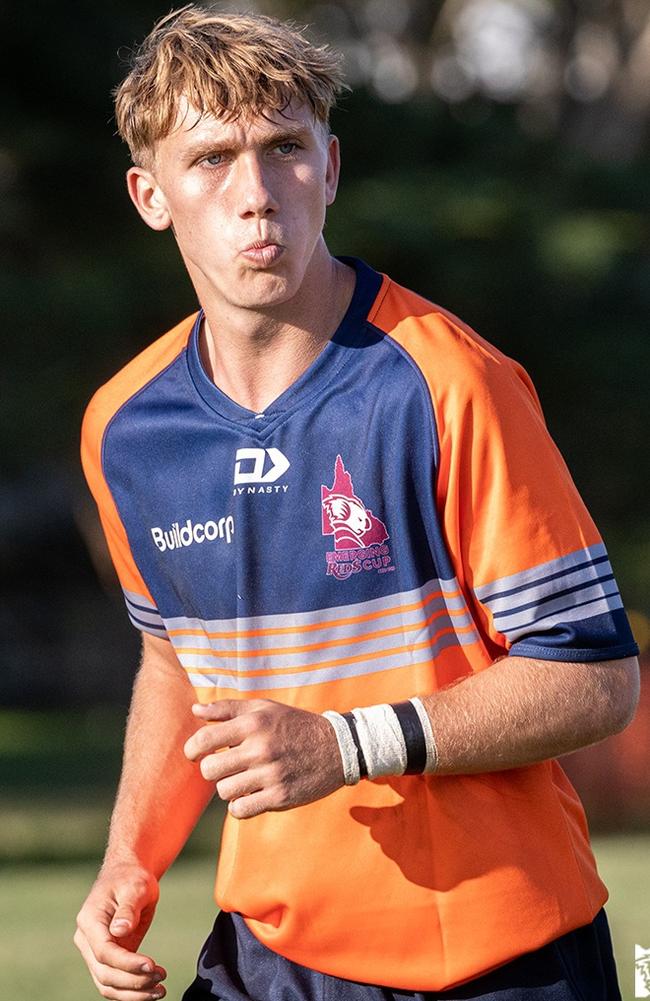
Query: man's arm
[521,710]
[516,712]
[159,800]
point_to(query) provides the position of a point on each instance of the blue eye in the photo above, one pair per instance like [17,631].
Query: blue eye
[287,148]
[214,159]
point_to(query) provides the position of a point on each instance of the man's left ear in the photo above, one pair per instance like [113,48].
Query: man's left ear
[333,169]
[148,198]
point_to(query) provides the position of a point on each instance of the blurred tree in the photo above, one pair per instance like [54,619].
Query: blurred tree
[495,159]
[578,68]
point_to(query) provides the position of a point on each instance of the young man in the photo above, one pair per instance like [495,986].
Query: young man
[323,494]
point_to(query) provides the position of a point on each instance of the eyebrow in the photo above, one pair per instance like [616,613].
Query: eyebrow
[219,144]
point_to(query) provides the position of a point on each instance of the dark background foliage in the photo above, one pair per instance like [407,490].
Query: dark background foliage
[495,159]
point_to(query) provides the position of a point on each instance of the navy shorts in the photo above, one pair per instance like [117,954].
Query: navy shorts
[234,966]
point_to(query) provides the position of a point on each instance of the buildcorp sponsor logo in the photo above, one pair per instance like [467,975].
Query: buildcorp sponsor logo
[189,533]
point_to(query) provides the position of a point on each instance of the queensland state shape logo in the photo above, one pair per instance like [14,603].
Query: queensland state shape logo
[641,972]
[360,538]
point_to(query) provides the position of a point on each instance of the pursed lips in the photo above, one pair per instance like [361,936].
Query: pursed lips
[263,252]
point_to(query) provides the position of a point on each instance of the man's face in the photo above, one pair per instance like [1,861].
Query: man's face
[246,201]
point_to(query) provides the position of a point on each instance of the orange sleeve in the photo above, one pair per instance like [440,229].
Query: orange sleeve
[525,549]
[104,405]
[510,508]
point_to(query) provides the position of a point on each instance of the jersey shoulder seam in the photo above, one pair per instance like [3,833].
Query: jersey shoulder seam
[428,311]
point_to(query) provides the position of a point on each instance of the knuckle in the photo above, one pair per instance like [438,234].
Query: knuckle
[195,744]
[198,743]
[260,719]
[277,775]
[205,737]
[264,747]
[248,726]
[100,955]
[140,888]
[282,794]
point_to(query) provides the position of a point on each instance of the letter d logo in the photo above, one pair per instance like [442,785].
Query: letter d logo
[257,456]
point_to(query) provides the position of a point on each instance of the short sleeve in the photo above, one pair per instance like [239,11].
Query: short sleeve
[140,605]
[523,543]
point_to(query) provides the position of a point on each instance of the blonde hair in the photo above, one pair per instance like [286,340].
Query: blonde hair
[225,65]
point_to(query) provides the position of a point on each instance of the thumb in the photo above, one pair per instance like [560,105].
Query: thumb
[222,710]
[127,914]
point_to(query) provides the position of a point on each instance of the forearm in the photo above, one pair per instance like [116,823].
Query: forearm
[516,712]
[520,711]
[161,794]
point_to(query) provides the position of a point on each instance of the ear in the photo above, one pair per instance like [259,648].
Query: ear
[148,198]
[333,169]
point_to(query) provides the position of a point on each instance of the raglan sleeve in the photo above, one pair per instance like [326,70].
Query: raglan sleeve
[141,608]
[526,549]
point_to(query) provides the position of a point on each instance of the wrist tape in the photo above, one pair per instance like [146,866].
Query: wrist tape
[394,739]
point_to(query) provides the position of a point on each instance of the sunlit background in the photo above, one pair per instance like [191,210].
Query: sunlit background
[496,158]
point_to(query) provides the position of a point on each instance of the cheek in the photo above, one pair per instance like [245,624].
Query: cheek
[197,212]
[306,179]
[307,193]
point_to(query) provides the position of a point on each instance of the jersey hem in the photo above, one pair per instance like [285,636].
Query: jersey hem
[574,656]
[419,984]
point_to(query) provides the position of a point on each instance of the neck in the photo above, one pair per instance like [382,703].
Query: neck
[254,355]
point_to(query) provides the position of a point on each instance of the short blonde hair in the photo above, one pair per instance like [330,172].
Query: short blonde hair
[223,64]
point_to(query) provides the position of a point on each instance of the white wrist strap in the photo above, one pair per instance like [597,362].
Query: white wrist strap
[382,740]
[347,747]
[379,740]
[430,740]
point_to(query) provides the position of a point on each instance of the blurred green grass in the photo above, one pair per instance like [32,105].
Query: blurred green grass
[38,904]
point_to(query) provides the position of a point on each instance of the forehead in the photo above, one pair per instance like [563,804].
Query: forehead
[193,128]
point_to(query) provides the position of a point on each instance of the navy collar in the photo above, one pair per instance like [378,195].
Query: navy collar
[348,336]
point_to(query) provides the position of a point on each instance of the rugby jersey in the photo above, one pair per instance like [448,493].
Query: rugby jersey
[395,520]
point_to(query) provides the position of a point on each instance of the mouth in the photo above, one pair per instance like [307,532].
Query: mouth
[264,253]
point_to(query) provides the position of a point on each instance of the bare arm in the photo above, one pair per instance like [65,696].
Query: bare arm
[516,712]
[161,794]
[522,710]
[160,798]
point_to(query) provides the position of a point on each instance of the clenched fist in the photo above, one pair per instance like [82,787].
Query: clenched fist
[110,927]
[264,755]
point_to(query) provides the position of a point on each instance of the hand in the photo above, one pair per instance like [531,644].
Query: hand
[276,756]
[110,927]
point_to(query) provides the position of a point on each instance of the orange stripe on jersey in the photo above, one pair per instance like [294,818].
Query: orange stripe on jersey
[104,404]
[406,648]
[315,626]
[344,641]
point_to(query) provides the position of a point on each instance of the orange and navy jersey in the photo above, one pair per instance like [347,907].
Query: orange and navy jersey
[393,522]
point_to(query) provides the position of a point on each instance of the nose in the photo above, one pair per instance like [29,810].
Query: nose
[255,197]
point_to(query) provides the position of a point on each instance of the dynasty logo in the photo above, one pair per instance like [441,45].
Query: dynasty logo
[252,468]
[359,537]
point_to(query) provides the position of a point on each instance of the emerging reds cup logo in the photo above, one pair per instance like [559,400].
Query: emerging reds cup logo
[641,972]
[359,537]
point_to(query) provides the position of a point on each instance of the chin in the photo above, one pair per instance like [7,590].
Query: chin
[263,289]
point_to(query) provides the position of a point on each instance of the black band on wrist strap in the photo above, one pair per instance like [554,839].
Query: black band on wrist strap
[352,723]
[416,747]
